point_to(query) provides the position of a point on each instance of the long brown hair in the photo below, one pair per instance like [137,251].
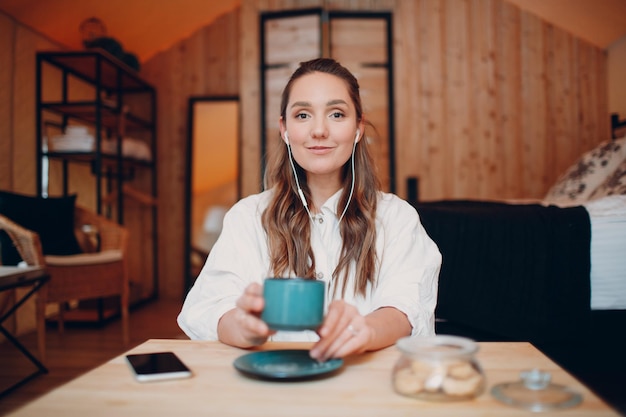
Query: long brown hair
[287,223]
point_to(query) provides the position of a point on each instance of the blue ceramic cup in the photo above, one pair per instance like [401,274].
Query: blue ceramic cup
[293,303]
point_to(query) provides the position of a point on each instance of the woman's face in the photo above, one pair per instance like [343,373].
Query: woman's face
[322,125]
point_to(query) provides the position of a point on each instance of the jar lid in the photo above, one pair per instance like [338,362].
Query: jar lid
[535,392]
[437,347]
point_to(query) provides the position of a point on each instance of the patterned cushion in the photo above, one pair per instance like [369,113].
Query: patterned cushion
[575,186]
[615,184]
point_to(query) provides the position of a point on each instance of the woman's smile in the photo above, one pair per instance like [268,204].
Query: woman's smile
[320,150]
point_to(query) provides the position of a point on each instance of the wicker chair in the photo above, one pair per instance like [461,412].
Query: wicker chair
[77,277]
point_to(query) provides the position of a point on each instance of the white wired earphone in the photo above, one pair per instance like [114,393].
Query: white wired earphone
[295,175]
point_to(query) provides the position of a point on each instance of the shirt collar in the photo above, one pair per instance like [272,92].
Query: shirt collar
[330,205]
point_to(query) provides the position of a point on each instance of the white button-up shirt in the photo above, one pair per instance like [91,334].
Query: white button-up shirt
[407,267]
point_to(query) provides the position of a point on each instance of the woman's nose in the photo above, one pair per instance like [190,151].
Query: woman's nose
[319,130]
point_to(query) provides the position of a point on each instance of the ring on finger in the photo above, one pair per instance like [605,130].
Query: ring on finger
[352,330]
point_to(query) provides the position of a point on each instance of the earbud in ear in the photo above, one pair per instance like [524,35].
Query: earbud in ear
[356,138]
[286,137]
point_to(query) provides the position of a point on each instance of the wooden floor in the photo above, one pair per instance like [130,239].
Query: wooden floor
[80,349]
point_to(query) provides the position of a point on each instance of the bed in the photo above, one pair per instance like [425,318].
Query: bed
[537,271]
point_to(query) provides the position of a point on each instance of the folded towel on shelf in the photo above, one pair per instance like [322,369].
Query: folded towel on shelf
[131,148]
[75,139]
[81,141]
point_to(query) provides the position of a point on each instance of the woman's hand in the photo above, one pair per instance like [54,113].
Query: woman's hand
[344,332]
[242,326]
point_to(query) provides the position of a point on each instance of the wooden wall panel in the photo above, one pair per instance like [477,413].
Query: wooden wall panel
[23,109]
[587,97]
[483,103]
[432,110]
[7,29]
[560,102]
[359,40]
[501,98]
[457,98]
[7,33]
[249,96]
[534,106]
[294,39]
[508,98]
[408,117]
[600,130]
[206,63]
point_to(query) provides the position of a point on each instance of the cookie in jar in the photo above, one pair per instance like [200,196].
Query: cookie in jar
[439,368]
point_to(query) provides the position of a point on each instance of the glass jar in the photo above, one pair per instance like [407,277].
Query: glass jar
[438,368]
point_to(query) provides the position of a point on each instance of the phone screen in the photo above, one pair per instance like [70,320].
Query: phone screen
[157,366]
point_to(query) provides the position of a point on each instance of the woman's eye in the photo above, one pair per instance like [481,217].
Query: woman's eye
[336,115]
[301,116]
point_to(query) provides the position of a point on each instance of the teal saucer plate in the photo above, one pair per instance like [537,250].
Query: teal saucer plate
[284,365]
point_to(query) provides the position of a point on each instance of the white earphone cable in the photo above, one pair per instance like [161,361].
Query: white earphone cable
[351,187]
[295,175]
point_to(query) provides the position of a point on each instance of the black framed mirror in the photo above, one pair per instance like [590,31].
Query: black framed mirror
[212,173]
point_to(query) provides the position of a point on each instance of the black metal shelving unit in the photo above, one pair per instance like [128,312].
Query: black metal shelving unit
[122,104]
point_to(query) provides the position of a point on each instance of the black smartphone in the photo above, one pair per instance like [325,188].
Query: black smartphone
[157,366]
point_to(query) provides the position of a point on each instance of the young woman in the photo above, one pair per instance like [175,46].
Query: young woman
[322,216]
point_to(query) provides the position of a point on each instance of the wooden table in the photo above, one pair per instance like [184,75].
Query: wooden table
[12,277]
[362,388]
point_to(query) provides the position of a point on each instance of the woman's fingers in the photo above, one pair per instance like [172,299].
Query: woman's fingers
[340,335]
[251,301]
[247,315]
[252,328]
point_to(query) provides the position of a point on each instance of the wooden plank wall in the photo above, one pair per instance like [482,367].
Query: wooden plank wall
[18,45]
[205,64]
[7,33]
[492,102]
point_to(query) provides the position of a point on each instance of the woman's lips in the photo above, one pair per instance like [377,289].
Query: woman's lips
[320,150]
